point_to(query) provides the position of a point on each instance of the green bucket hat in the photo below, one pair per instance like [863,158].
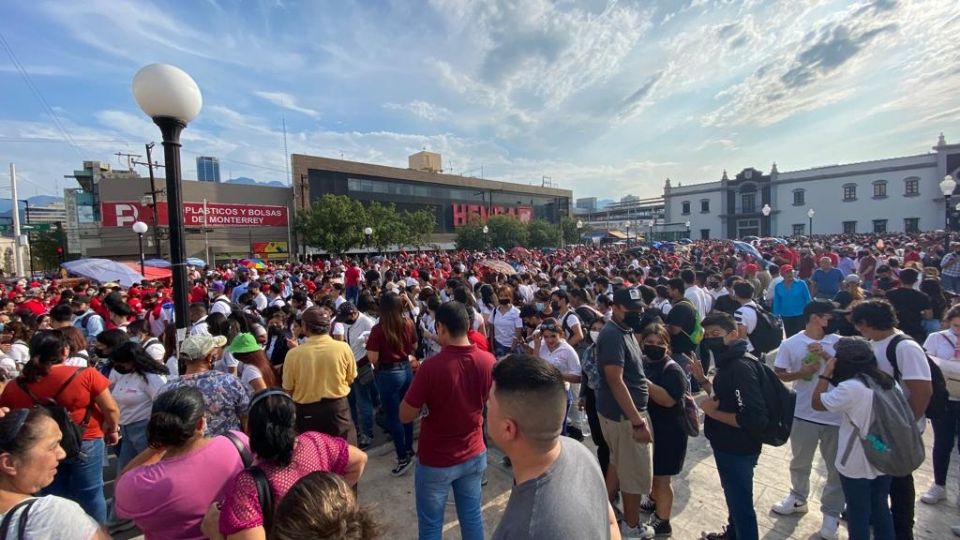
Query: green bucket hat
[244,343]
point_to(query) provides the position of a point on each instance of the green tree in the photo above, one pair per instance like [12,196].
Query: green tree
[542,233]
[470,236]
[386,223]
[572,235]
[334,223]
[419,226]
[507,232]
[43,249]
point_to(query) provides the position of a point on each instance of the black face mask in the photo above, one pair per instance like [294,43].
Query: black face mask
[634,319]
[654,353]
[715,345]
[121,369]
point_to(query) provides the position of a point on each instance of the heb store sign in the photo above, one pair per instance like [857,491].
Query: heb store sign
[462,213]
[125,214]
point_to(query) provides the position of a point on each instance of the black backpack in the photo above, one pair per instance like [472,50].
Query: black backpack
[72,433]
[940,397]
[26,505]
[768,335]
[780,401]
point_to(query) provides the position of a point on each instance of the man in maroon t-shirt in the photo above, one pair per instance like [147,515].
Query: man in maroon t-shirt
[451,388]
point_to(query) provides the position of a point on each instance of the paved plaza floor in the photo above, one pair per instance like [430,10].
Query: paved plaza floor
[698,503]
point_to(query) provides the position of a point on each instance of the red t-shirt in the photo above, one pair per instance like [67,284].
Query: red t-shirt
[76,397]
[351,278]
[377,342]
[454,385]
[34,306]
[478,339]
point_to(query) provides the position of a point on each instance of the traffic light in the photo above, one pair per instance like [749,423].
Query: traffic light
[60,253]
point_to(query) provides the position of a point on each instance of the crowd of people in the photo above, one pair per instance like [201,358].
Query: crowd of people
[255,425]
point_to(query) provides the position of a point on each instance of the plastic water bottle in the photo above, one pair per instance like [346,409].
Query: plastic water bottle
[877,444]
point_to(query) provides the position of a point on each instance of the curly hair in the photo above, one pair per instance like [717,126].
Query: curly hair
[322,506]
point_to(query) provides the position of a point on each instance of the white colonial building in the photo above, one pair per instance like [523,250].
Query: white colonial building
[895,194]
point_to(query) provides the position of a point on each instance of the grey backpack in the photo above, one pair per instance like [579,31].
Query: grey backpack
[892,444]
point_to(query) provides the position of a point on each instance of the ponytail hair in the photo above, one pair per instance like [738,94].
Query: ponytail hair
[46,351]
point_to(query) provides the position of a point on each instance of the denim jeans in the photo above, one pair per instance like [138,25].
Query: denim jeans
[432,487]
[946,430]
[393,385]
[867,507]
[361,406]
[133,440]
[950,283]
[80,479]
[736,478]
[352,294]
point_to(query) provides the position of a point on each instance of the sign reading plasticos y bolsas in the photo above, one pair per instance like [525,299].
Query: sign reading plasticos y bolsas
[125,214]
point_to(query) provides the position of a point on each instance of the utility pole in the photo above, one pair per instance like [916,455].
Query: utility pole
[206,244]
[17,255]
[131,158]
[153,196]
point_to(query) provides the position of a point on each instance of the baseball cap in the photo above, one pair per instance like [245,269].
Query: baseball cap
[244,343]
[345,309]
[198,346]
[628,297]
[786,268]
[216,286]
[851,278]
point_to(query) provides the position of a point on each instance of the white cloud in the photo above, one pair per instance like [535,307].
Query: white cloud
[421,109]
[286,101]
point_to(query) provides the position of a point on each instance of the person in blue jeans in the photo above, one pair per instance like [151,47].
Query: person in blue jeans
[452,388]
[733,419]
[865,488]
[390,349]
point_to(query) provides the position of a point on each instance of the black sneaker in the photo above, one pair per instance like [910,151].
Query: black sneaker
[648,505]
[722,535]
[661,527]
[402,466]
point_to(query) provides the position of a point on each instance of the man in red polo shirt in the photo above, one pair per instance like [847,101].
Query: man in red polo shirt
[451,388]
[351,282]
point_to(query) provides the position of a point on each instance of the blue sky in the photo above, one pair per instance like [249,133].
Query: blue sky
[605,98]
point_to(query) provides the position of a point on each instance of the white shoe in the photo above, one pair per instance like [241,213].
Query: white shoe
[934,494]
[831,524]
[641,531]
[789,506]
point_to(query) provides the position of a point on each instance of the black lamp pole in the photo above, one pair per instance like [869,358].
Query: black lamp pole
[143,271]
[170,129]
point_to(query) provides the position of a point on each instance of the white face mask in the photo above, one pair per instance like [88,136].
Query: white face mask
[594,334]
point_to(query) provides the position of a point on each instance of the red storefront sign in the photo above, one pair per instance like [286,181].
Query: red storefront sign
[125,214]
[463,212]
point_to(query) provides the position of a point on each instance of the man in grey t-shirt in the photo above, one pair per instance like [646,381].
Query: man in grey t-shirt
[622,396]
[558,488]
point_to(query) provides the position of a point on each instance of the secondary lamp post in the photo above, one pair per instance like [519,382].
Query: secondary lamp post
[141,228]
[579,234]
[652,223]
[628,234]
[687,225]
[368,233]
[947,185]
[810,214]
[486,231]
[172,99]
[766,210]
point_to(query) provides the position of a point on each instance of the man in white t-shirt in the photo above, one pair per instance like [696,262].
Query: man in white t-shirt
[697,296]
[746,314]
[801,359]
[876,320]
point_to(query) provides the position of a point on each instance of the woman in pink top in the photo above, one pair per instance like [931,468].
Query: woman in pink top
[168,487]
[284,457]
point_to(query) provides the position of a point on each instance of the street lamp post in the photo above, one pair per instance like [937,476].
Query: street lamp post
[766,210]
[628,234]
[140,228]
[579,234]
[368,233]
[947,185]
[172,99]
[687,225]
[652,223]
[486,242]
[810,214]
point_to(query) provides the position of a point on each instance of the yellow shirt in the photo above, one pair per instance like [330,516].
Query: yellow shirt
[320,368]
